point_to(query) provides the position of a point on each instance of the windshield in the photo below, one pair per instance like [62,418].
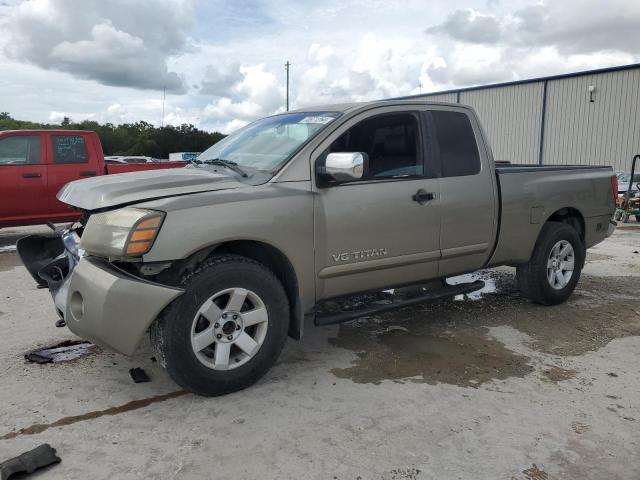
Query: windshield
[268,143]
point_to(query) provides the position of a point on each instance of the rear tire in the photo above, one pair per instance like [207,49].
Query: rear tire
[227,329]
[553,271]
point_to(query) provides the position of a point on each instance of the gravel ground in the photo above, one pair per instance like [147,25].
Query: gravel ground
[488,388]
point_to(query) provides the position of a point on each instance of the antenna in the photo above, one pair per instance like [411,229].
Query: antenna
[286,67]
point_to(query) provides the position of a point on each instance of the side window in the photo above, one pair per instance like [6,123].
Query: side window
[457,143]
[391,143]
[20,150]
[69,149]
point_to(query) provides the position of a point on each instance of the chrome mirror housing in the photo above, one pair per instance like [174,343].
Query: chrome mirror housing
[345,167]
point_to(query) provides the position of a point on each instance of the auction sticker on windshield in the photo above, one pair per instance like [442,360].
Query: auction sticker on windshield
[317,119]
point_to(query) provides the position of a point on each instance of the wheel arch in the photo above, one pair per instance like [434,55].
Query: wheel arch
[269,256]
[570,216]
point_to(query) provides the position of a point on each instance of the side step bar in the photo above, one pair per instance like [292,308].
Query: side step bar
[332,318]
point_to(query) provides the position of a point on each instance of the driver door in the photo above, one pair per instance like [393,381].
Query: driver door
[373,233]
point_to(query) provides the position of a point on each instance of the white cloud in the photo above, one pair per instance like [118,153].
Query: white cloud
[116,43]
[258,94]
[470,25]
[108,60]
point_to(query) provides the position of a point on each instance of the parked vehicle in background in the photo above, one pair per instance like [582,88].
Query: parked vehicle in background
[223,260]
[623,183]
[130,159]
[36,164]
[183,156]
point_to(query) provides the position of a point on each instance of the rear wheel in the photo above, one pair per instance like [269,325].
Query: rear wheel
[226,330]
[554,269]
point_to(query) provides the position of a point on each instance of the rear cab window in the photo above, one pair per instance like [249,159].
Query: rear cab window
[456,143]
[20,150]
[69,149]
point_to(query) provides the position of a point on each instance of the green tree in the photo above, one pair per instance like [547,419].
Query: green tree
[139,138]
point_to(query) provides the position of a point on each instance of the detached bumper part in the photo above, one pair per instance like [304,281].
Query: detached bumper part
[110,307]
[29,462]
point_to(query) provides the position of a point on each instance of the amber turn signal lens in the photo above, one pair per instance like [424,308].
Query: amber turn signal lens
[143,234]
[138,248]
[153,222]
[138,235]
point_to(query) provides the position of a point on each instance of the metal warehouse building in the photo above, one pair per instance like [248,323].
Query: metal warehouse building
[589,118]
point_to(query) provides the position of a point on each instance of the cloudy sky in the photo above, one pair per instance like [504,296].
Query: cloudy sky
[221,62]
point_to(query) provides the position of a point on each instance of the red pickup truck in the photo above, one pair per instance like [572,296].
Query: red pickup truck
[36,164]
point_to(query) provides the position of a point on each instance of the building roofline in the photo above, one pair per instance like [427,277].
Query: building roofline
[524,81]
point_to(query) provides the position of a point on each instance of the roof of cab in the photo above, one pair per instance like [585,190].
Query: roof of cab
[348,107]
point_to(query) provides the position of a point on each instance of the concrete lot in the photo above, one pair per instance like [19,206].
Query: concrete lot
[496,388]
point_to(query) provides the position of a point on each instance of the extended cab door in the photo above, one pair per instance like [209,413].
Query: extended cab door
[375,233]
[23,179]
[468,192]
[71,157]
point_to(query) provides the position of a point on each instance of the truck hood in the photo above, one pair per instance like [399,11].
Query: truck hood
[127,188]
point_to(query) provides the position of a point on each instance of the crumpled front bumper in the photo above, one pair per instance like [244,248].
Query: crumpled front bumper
[101,302]
[110,307]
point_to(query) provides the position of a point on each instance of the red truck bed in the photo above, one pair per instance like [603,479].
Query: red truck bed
[36,164]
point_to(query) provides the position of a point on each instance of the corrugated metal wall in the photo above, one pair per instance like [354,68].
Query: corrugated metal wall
[576,131]
[511,117]
[444,97]
[603,132]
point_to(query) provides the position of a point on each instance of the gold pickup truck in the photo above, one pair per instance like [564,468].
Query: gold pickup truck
[222,260]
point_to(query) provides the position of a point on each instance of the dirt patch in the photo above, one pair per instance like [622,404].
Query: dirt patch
[557,374]
[127,407]
[580,427]
[426,353]
[597,257]
[9,261]
[404,473]
[447,342]
[535,473]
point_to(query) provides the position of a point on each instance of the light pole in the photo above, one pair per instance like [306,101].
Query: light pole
[286,67]
[164,90]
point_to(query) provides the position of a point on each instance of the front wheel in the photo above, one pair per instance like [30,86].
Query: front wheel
[226,330]
[554,269]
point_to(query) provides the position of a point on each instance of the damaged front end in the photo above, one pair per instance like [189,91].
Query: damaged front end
[98,300]
[50,258]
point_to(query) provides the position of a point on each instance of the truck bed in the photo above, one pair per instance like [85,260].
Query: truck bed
[529,195]
[506,167]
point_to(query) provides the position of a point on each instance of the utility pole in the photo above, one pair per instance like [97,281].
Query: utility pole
[164,90]
[286,67]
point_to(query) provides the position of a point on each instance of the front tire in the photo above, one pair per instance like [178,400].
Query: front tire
[553,271]
[227,329]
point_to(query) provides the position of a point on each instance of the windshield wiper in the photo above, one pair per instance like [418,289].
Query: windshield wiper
[225,163]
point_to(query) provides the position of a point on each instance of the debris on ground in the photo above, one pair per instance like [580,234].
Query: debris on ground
[139,375]
[29,462]
[61,323]
[62,352]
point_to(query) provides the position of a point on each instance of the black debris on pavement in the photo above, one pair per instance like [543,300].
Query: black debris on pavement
[29,462]
[139,375]
[61,323]
[35,357]
[62,352]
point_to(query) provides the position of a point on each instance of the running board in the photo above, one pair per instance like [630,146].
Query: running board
[332,318]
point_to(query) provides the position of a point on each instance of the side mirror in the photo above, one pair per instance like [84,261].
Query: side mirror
[345,167]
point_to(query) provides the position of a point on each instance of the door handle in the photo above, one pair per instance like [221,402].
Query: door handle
[422,196]
[88,173]
[31,175]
